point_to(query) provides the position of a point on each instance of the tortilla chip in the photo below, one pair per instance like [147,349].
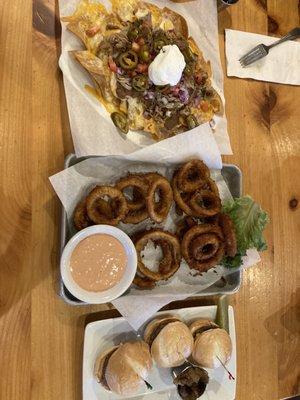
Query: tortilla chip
[125,9]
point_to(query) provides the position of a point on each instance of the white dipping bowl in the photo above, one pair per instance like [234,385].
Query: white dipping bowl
[113,292]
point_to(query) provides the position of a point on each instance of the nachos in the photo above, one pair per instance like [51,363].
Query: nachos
[121,45]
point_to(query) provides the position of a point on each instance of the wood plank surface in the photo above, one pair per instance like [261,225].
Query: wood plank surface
[40,336]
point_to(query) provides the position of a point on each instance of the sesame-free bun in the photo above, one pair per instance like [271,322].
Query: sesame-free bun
[128,368]
[170,340]
[211,345]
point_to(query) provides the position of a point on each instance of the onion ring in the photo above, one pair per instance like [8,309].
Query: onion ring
[136,216]
[151,176]
[157,236]
[80,216]
[192,175]
[204,246]
[212,235]
[184,225]
[178,197]
[159,210]
[140,189]
[205,203]
[211,185]
[143,283]
[228,230]
[96,212]
[165,264]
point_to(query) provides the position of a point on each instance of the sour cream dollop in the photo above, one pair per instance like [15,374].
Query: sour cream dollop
[167,67]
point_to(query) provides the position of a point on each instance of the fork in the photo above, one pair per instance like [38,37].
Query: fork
[262,50]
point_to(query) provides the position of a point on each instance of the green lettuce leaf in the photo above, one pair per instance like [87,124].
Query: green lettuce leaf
[249,220]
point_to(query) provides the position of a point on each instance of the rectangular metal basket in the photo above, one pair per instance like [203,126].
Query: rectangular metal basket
[233,177]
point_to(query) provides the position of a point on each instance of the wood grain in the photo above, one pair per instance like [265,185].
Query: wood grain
[41,337]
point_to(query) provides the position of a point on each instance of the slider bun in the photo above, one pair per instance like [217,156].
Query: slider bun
[172,345]
[155,323]
[212,344]
[128,367]
[99,365]
[201,325]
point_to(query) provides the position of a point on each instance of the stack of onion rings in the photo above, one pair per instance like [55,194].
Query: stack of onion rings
[169,263]
[204,234]
[202,247]
[195,193]
[151,197]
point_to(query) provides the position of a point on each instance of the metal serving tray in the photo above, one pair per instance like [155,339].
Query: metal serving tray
[233,177]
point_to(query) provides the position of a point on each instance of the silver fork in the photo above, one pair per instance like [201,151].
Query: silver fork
[262,50]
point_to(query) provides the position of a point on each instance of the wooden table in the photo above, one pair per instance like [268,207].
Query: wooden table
[41,337]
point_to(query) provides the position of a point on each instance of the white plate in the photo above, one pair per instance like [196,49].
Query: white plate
[101,335]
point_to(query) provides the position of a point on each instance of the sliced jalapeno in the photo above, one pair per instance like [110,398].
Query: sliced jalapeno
[120,121]
[133,34]
[191,121]
[140,83]
[144,53]
[128,60]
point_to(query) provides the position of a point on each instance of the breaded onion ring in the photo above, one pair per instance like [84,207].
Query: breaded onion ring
[201,241]
[192,175]
[139,191]
[137,211]
[143,283]
[184,225]
[151,176]
[179,198]
[228,230]
[80,216]
[211,185]
[136,216]
[161,188]
[204,246]
[94,203]
[158,236]
[205,203]
[165,264]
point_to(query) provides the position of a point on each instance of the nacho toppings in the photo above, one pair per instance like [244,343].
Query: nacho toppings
[121,47]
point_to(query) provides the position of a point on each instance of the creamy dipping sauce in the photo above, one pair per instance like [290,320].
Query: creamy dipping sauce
[98,262]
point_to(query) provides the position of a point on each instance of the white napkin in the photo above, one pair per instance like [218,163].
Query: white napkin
[282,64]
[91,127]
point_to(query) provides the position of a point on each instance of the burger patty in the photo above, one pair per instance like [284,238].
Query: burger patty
[159,328]
[204,329]
[103,378]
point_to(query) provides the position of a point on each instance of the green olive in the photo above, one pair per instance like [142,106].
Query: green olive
[144,53]
[140,83]
[191,121]
[159,44]
[128,60]
[133,34]
[120,121]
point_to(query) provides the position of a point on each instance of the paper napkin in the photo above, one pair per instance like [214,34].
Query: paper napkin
[281,65]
